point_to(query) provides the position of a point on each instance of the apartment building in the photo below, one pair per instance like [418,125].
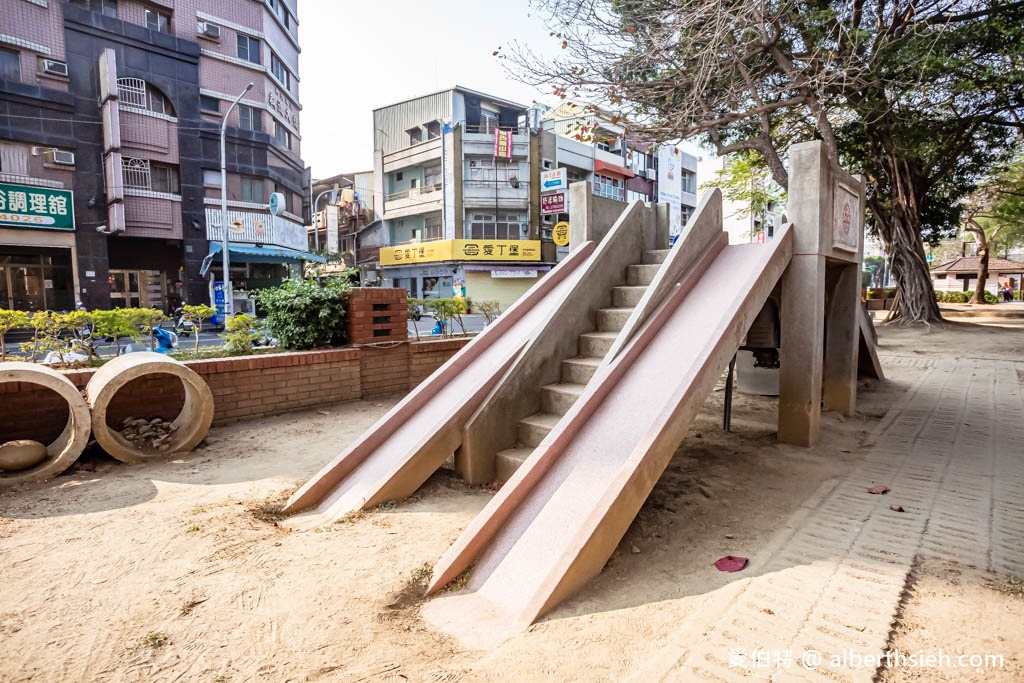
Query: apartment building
[454,173]
[110,118]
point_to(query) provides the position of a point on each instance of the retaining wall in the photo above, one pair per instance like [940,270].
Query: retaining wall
[243,388]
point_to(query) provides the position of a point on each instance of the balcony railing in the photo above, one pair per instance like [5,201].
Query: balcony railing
[489,129]
[413,192]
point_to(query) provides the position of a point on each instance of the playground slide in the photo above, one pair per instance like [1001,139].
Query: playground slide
[394,457]
[556,522]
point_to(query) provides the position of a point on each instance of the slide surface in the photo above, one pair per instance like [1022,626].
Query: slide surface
[395,456]
[553,526]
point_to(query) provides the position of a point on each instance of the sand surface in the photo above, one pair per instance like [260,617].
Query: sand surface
[177,570]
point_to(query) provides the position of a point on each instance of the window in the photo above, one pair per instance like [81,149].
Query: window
[252,190]
[482,226]
[13,159]
[415,135]
[433,130]
[399,176]
[248,48]
[164,178]
[487,171]
[432,177]
[277,68]
[157,102]
[432,229]
[104,7]
[158,21]
[211,178]
[207,103]
[249,118]
[281,135]
[142,174]
[689,180]
[488,121]
[10,65]
[612,188]
[282,190]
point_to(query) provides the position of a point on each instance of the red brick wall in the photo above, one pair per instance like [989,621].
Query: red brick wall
[377,314]
[243,388]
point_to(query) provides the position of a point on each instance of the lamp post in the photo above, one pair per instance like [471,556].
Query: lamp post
[229,303]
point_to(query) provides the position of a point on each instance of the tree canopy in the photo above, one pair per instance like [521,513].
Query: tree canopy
[919,96]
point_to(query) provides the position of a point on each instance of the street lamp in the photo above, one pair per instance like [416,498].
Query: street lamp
[229,303]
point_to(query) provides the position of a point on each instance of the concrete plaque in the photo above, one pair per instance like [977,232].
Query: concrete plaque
[848,224]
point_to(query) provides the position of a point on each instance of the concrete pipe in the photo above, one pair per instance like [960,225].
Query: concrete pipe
[190,426]
[66,448]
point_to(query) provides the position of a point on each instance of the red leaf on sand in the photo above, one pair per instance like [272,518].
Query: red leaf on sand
[897,508]
[730,563]
[879,490]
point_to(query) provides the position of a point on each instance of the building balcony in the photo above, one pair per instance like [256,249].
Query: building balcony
[253,227]
[418,155]
[152,214]
[414,201]
[485,193]
[477,141]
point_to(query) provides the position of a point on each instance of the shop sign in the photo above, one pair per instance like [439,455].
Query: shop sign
[560,234]
[554,180]
[759,237]
[461,250]
[513,274]
[502,143]
[552,203]
[36,207]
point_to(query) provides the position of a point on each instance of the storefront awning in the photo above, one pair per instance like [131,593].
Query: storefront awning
[250,253]
[605,168]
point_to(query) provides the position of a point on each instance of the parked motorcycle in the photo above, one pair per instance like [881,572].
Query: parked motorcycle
[183,324]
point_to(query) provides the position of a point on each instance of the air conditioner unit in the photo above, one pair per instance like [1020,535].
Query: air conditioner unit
[209,30]
[55,156]
[52,66]
[642,173]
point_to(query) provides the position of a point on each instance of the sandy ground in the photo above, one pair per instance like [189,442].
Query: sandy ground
[177,570]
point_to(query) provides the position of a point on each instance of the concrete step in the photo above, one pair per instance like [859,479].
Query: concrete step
[533,429]
[579,370]
[641,274]
[596,344]
[656,255]
[558,398]
[613,319]
[627,295]
[509,460]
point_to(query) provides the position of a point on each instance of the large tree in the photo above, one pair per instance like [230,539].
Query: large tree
[918,95]
[994,214]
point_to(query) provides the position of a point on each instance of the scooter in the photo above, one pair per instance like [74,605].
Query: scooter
[183,325]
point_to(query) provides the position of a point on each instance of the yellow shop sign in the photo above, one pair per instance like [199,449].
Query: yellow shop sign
[461,250]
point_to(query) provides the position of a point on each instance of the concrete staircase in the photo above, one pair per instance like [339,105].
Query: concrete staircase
[556,399]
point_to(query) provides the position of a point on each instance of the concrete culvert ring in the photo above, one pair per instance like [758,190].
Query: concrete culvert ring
[65,448]
[190,425]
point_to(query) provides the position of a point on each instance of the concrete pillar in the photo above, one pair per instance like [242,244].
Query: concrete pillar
[802,315]
[841,344]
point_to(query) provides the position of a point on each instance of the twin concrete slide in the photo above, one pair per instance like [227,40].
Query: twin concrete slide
[577,404]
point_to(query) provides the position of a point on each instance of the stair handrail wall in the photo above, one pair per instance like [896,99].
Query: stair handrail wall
[702,233]
[494,426]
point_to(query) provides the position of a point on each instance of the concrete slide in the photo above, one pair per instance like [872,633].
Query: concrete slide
[555,523]
[395,456]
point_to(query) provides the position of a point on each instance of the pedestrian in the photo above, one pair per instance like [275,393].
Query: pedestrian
[1007,294]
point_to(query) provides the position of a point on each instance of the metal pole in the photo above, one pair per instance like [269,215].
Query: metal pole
[727,413]
[229,302]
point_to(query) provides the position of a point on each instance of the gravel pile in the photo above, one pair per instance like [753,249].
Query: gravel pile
[148,433]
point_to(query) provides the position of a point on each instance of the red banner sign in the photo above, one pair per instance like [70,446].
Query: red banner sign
[502,143]
[552,203]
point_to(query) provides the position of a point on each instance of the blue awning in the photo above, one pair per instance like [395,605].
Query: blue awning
[250,253]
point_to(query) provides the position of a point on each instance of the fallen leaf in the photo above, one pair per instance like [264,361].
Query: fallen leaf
[897,508]
[635,550]
[323,412]
[879,490]
[730,563]
[730,536]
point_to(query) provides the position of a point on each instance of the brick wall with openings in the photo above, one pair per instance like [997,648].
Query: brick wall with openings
[243,388]
[377,314]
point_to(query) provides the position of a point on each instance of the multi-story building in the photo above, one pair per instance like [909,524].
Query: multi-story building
[454,178]
[343,210]
[110,119]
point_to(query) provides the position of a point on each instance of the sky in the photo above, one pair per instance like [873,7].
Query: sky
[361,55]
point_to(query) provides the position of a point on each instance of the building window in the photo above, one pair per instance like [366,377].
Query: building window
[211,178]
[207,103]
[142,174]
[689,180]
[432,229]
[104,7]
[10,65]
[252,190]
[612,188]
[283,191]
[415,135]
[277,68]
[433,130]
[482,226]
[399,177]
[281,135]
[248,48]
[488,171]
[157,102]
[164,178]
[158,21]
[249,118]
[13,159]
[432,177]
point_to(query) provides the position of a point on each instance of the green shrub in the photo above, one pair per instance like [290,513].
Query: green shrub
[143,322]
[490,310]
[8,321]
[307,313]
[114,324]
[240,334]
[448,311]
[990,298]
[198,313]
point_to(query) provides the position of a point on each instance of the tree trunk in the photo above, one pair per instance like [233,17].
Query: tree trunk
[979,289]
[915,295]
